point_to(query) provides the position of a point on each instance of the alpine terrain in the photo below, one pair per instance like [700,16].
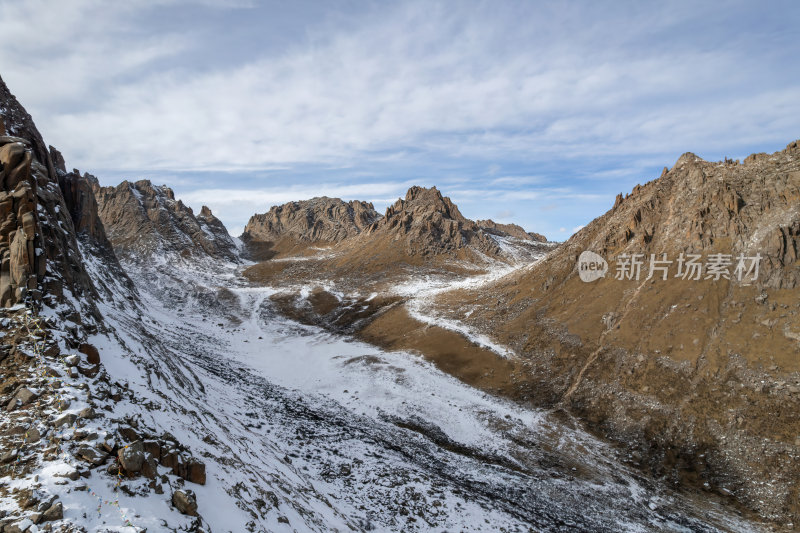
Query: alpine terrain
[339,369]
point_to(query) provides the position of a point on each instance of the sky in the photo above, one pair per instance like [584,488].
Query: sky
[532,112]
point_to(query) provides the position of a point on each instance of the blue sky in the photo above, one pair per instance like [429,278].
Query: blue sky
[537,113]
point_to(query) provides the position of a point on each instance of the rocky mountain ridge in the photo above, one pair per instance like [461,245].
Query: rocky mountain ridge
[697,373]
[509,230]
[427,223]
[145,220]
[41,260]
[290,227]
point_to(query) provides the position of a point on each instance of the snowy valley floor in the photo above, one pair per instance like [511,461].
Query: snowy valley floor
[302,430]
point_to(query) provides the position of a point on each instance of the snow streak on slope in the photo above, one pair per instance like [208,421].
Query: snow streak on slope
[302,430]
[421,291]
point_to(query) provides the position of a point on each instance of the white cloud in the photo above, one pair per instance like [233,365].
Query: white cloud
[452,80]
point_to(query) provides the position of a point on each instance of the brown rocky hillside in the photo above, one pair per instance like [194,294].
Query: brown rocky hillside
[509,230]
[293,226]
[424,233]
[700,379]
[143,219]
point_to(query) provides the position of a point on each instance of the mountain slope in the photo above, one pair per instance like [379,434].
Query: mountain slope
[143,220]
[698,377]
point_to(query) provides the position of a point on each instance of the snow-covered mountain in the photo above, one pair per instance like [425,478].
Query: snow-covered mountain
[148,384]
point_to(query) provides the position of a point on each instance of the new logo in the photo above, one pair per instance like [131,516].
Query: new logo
[591,267]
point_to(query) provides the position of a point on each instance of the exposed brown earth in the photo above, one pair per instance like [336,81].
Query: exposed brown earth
[698,378]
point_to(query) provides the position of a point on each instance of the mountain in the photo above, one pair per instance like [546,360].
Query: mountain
[422,233]
[697,377]
[145,384]
[295,225]
[145,220]
[426,224]
[509,230]
[41,260]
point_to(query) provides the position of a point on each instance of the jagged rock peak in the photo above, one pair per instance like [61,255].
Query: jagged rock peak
[143,220]
[318,219]
[688,158]
[509,230]
[430,223]
[39,253]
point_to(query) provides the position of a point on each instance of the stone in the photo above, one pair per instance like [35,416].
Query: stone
[131,457]
[195,471]
[86,412]
[153,448]
[150,467]
[72,360]
[89,371]
[22,398]
[185,502]
[128,434]
[92,455]
[33,435]
[67,419]
[8,456]
[54,512]
[72,474]
[92,355]
[19,527]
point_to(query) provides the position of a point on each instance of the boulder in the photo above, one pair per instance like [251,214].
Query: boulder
[185,502]
[67,419]
[92,355]
[195,471]
[150,467]
[54,512]
[22,398]
[131,457]
[92,455]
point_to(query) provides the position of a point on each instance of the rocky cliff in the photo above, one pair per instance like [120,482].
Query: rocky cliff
[426,223]
[294,225]
[695,368]
[145,220]
[40,255]
[509,230]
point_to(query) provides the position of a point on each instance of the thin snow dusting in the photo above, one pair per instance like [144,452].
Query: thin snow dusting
[303,430]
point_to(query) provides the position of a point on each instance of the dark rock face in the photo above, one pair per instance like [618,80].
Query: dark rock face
[142,220]
[317,220]
[39,254]
[509,230]
[429,224]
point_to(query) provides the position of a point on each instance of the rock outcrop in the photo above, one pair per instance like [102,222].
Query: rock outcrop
[426,223]
[509,230]
[696,373]
[318,220]
[143,220]
[39,253]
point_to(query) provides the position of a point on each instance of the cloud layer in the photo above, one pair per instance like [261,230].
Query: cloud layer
[578,96]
